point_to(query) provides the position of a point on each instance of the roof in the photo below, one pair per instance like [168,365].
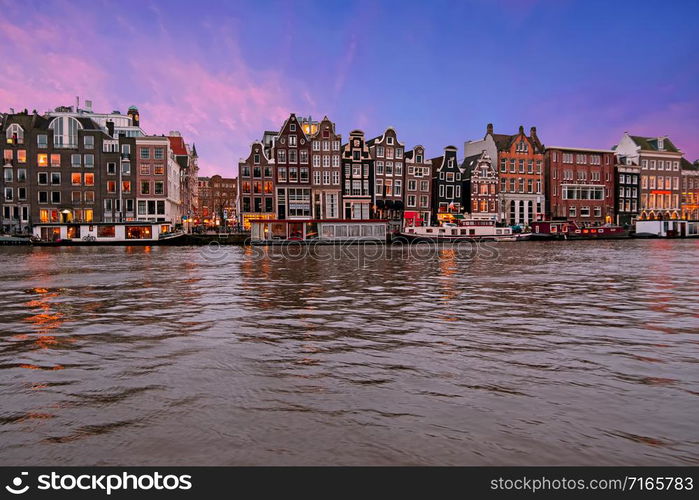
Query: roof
[685,164]
[26,121]
[589,150]
[177,145]
[504,141]
[470,162]
[651,143]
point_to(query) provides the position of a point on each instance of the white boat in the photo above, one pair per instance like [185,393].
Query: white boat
[466,230]
[106,233]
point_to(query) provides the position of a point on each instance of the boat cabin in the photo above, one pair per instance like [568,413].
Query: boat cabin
[334,230]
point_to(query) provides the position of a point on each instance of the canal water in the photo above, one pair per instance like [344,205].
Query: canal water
[519,353]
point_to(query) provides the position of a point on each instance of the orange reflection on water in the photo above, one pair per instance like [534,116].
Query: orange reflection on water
[45,321]
[37,367]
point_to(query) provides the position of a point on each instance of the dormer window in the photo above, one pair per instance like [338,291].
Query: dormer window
[15,134]
[292,127]
[389,141]
[418,158]
[661,144]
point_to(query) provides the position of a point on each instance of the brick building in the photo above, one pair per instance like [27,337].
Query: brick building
[292,152]
[255,186]
[580,185]
[481,187]
[418,187]
[690,190]
[357,178]
[389,175]
[660,161]
[217,201]
[447,185]
[326,168]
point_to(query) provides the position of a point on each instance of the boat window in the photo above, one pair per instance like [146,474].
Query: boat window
[498,231]
[355,230]
[366,230]
[106,231]
[311,230]
[138,232]
[341,231]
[73,232]
[454,231]
[428,230]
[328,231]
[463,231]
[278,231]
[471,231]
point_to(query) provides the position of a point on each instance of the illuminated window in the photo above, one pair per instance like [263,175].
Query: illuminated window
[89,179]
[159,170]
[15,134]
[75,196]
[89,197]
[55,160]
[76,179]
[126,187]
[111,186]
[42,160]
[65,131]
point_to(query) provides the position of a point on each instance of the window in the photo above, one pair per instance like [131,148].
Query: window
[89,179]
[21,174]
[89,141]
[126,149]
[55,197]
[411,200]
[42,178]
[42,141]
[55,178]
[15,134]
[398,188]
[42,160]
[8,175]
[126,187]
[292,127]
[326,161]
[56,160]
[65,131]
[75,161]
[145,169]
[111,168]
[89,160]
[145,154]
[111,186]
[584,211]
[159,153]
[89,197]
[145,187]
[43,196]
[292,141]
[159,169]
[8,194]
[572,212]
[598,211]
[159,187]
[76,179]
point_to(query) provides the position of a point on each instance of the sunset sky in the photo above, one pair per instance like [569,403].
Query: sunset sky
[583,72]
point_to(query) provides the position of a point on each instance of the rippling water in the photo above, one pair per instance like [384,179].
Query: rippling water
[544,353]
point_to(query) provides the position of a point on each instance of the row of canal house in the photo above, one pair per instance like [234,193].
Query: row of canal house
[305,171]
[74,165]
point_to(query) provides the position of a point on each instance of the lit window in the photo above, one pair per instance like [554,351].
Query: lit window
[42,160]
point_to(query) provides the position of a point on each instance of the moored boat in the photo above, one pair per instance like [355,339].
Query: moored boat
[466,230]
[110,233]
[571,230]
[318,231]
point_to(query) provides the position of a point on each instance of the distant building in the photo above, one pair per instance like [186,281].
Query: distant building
[358,178]
[326,168]
[158,180]
[627,190]
[447,183]
[690,190]
[256,186]
[292,151]
[217,201]
[418,188]
[520,166]
[660,161]
[389,175]
[580,185]
[481,187]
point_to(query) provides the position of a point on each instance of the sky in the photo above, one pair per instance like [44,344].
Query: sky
[221,72]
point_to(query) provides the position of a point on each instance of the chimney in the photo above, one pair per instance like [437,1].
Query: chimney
[489,129]
[110,128]
[532,133]
[521,129]
[88,106]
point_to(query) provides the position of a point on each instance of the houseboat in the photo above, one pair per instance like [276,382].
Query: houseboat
[109,233]
[571,230]
[6,239]
[479,230]
[672,228]
[328,231]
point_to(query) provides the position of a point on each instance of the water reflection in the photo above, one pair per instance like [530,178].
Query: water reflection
[569,353]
